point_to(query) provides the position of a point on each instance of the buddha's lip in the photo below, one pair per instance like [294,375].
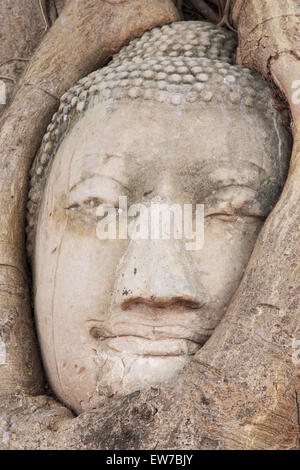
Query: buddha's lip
[157,333]
[142,346]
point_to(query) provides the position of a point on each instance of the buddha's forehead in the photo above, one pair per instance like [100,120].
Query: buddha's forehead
[136,135]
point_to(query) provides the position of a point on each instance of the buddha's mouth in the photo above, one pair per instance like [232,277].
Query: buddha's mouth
[139,345]
[169,337]
[188,326]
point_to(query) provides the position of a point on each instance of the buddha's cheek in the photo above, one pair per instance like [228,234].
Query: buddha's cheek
[222,261]
[82,289]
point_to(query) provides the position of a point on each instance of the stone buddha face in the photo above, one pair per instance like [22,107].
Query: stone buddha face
[117,315]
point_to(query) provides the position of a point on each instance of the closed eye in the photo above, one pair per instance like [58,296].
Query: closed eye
[90,202]
[231,217]
[233,201]
[90,207]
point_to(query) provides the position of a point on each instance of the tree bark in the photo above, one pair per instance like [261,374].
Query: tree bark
[21,29]
[23,24]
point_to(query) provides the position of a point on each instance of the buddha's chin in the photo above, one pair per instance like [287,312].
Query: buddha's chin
[144,364]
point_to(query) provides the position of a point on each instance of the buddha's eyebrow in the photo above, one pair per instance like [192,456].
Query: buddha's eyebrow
[255,175]
[260,168]
[108,156]
[98,175]
[237,162]
[105,158]
[209,168]
[85,166]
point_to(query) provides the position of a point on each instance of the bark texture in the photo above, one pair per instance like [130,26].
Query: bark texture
[21,29]
[23,24]
[266,30]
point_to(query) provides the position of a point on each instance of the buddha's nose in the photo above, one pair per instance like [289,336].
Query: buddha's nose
[159,273]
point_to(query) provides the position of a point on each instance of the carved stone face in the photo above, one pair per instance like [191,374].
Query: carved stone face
[114,316]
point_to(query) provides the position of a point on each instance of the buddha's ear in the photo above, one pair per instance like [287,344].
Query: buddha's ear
[83,38]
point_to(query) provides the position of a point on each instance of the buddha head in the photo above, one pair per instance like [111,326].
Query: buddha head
[169,119]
